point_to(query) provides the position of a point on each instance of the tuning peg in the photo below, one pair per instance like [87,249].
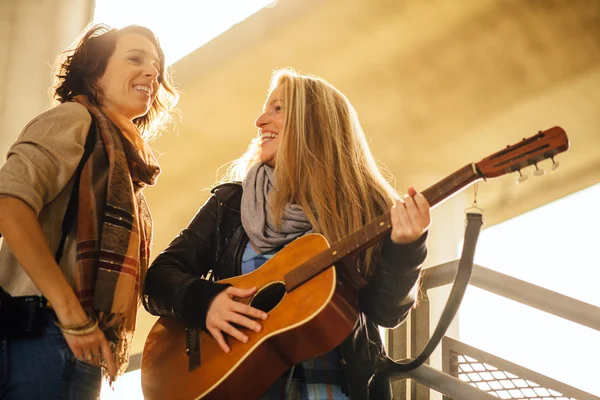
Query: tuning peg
[555,164]
[539,171]
[522,178]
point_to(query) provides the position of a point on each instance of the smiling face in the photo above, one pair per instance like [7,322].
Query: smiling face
[129,83]
[270,124]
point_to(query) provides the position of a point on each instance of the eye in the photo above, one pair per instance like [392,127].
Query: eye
[135,59]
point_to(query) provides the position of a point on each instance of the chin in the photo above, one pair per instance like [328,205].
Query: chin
[267,159]
[139,114]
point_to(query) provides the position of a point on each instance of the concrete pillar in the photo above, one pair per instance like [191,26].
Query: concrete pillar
[33,33]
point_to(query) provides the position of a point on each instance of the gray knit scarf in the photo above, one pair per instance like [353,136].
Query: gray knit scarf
[257,222]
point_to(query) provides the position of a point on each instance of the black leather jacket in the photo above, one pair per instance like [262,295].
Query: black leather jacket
[180,281]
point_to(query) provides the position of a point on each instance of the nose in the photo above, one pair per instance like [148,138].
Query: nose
[151,71]
[261,120]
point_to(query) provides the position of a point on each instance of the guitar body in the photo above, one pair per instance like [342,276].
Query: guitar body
[292,333]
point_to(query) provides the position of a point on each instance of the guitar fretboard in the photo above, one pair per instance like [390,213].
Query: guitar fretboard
[375,230]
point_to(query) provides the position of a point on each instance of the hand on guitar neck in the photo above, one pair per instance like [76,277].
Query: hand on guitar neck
[410,217]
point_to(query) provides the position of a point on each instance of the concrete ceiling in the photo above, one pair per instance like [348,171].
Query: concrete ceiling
[436,83]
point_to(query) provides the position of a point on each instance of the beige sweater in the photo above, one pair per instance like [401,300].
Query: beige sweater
[39,170]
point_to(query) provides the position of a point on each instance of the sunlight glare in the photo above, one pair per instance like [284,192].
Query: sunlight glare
[182,26]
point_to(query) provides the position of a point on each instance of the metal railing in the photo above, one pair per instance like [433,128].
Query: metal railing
[526,293]
[520,291]
[502,378]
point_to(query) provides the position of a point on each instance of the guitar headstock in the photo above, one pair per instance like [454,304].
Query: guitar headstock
[530,151]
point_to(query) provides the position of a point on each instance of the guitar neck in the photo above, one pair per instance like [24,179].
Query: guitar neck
[375,230]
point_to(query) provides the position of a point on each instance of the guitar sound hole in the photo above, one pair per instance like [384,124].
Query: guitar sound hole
[268,297]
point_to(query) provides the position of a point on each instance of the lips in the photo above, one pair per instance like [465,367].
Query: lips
[267,136]
[147,90]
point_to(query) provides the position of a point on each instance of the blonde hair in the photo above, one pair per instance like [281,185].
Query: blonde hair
[323,163]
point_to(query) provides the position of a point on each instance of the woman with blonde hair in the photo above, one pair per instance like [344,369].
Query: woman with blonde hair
[77,229]
[309,170]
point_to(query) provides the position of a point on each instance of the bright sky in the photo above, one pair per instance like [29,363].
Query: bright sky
[182,26]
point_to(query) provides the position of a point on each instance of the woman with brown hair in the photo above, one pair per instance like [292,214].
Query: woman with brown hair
[309,170]
[77,229]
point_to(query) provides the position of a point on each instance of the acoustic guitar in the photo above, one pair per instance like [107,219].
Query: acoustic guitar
[312,307]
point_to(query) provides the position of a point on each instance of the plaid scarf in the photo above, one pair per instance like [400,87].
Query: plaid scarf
[114,227]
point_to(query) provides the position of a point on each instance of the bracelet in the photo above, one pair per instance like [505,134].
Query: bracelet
[79,329]
[81,332]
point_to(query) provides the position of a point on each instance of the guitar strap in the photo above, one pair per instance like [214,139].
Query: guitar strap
[461,281]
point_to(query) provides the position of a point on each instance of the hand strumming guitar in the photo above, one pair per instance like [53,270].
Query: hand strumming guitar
[224,311]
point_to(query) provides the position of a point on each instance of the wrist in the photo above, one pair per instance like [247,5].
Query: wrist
[70,312]
[83,329]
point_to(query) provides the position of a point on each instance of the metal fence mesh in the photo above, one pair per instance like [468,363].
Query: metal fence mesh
[498,383]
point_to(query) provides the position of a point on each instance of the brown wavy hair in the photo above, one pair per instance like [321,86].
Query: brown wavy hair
[78,69]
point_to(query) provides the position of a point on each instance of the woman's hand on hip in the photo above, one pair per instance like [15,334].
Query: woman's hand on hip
[91,347]
[410,217]
[224,312]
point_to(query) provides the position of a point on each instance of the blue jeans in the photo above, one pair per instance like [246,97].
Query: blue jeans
[45,368]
